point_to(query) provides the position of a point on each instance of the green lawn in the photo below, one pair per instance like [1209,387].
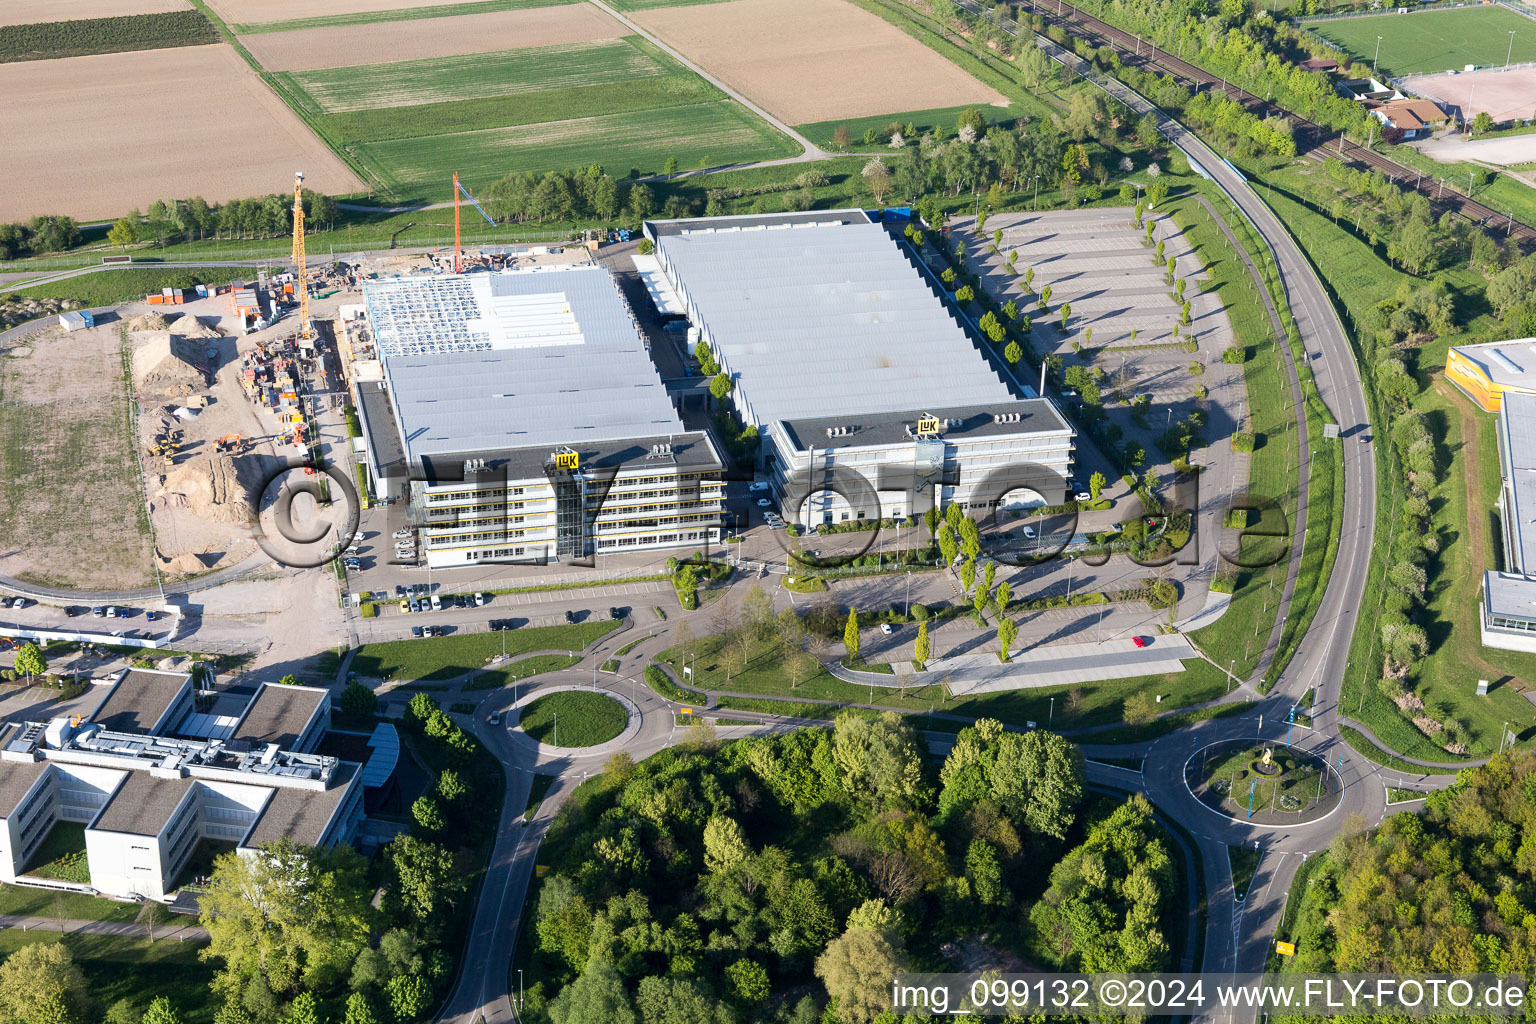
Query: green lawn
[442,658]
[397,14]
[709,133]
[1430,41]
[110,287]
[119,968]
[820,132]
[522,669]
[574,718]
[71,906]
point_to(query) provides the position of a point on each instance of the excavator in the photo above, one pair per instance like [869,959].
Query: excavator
[230,444]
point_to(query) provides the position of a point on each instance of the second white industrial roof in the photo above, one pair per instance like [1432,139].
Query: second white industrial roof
[1518,416]
[491,362]
[826,318]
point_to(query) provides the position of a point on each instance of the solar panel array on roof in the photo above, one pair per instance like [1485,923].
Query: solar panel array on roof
[826,317]
[545,357]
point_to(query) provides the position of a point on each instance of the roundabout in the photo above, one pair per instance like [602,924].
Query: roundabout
[1262,783]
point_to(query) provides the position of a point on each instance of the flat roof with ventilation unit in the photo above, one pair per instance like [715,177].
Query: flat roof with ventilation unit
[1510,364]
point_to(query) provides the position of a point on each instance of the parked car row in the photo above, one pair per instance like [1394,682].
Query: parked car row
[16,602]
[437,602]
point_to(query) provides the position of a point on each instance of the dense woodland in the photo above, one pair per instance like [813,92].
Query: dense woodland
[783,878]
[53,39]
[1450,891]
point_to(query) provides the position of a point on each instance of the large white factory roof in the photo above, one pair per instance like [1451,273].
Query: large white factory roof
[823,314]
[1517,424]
[487,362]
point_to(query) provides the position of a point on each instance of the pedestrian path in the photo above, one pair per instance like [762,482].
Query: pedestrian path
[125,929]
[1061,664]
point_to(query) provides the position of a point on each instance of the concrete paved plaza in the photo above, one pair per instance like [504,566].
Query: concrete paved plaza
[1060,664]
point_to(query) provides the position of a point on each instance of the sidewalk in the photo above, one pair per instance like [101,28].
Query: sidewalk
[125,929]
[1060,664]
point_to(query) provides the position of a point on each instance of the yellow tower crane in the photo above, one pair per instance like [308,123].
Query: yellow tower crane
[300,264]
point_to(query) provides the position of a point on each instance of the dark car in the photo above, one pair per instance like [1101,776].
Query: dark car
[570,616]
[73,610]
[615,613]
[6,602]
[416,631]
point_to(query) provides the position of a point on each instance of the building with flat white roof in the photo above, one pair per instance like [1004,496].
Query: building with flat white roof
[844,353]
[147,790]
[1487,372]
[521,417]
[1509,597]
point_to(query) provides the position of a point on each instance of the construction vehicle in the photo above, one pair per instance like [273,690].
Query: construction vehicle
[229,444]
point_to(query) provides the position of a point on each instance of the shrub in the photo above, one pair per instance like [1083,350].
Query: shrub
[1237,518]
[1242,441]
[1235,354]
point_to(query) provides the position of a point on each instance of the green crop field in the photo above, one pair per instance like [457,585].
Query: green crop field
[481,75]
[621,103]
[715,132]
[1430,41]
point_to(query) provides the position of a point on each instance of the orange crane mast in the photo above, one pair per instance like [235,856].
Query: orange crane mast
[300,263]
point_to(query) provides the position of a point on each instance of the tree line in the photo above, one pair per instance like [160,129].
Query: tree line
[174,220]
[675,894]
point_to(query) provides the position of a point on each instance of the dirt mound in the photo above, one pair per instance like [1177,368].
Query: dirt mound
[190,326]
[215,488]
[148,322]
[164,365]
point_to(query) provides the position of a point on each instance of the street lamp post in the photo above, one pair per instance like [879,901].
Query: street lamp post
[1511,52]
[1377,57]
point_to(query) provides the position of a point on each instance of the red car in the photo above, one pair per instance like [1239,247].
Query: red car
[1140,641]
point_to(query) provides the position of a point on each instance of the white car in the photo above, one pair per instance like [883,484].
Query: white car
[401,533]
[480,599]
[887,628]
[1029,531]
[23,602]
[1083,496]
[761,485]
[437,603]
[764,503]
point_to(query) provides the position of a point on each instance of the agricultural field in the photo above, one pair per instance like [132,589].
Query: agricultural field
[217,131]
[440,9]
[1429,41]
[702,133]
[54,39]
[622,103]
[352,45]
[258,12]
[815,60]
[28,12]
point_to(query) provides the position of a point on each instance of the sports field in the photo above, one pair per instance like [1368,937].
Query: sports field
[718,131]
[1429,41]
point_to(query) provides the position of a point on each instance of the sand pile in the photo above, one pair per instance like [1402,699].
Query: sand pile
[163,365]
[190,326]
[217,488]
[148,322]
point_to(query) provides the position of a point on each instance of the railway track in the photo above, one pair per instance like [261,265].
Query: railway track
[1314,141]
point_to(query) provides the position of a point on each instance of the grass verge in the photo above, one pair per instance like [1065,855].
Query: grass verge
[574,718]
[438,659]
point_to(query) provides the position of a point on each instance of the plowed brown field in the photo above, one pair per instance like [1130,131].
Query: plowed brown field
[27,12]
[97,136]
[388,41]
[814,60]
